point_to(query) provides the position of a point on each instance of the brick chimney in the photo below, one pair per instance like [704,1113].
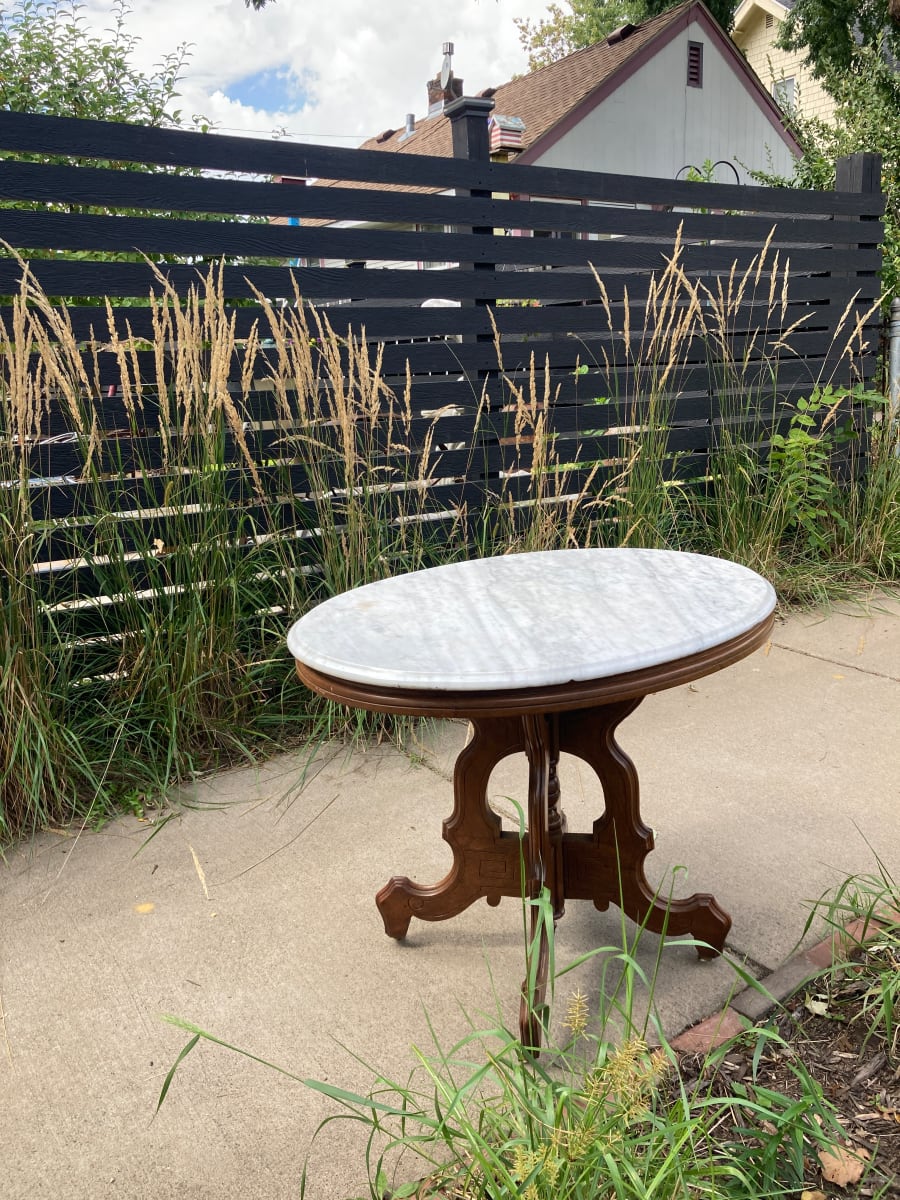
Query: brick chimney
[439,97]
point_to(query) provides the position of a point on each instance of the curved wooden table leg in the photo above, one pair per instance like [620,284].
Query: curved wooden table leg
[486,861]
[607,866]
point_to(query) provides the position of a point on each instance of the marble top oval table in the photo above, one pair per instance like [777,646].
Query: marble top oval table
[543,653]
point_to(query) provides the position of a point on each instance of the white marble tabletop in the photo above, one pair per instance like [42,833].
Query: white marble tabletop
[531,620]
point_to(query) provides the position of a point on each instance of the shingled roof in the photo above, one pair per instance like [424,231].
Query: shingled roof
[551,99]
[544,97]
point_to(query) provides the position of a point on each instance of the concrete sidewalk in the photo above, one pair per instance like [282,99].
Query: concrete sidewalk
[251,914]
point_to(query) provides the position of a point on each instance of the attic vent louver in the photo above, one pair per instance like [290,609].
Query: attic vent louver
[383,137]
[695,65]
[620,34]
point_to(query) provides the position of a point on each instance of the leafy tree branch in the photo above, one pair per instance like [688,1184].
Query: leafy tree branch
[865,121]
[835,33]
[51,63]
[583,22]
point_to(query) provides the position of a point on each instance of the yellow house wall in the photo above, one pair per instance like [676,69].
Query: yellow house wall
[771,64]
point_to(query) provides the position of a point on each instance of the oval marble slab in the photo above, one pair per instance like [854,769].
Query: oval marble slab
[531,620]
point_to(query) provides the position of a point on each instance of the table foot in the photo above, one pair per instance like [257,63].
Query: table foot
[607,865]
[698,916]
[486,861]
[400,900]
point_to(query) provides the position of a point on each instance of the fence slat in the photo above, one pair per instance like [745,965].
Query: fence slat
[86,186]
[465,361]
[165,235]
[93,140]
[443,398]
[813,297]
[320,284]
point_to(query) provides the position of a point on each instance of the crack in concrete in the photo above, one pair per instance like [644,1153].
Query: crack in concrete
[279,849]
[837,662]
[748,961]
[433,767]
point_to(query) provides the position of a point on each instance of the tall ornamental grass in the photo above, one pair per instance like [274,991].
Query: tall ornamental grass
[142,636]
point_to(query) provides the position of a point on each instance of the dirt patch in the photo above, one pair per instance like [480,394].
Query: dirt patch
[840,1032]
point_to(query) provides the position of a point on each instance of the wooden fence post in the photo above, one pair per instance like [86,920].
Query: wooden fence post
[858,173]
[468,118]
[862,173]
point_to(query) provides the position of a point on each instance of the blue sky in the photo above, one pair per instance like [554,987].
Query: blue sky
[273,89]
[335,72]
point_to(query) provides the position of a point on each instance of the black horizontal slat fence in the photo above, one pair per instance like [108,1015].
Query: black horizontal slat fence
[489,306]
[121,143]
[80,186]
[210,239]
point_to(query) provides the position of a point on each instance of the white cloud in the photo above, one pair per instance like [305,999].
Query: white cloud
[364,63]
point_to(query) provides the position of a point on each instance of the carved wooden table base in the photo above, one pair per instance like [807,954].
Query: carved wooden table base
[605,865]
[545,653]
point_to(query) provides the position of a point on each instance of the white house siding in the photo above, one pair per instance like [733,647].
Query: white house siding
[651,126]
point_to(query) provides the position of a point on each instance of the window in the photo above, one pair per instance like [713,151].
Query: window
[695,64]
[783,92]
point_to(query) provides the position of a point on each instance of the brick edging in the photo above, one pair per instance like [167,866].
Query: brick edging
[751,1004]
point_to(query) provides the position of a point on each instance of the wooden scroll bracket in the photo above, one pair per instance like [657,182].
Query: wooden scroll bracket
[605,866]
